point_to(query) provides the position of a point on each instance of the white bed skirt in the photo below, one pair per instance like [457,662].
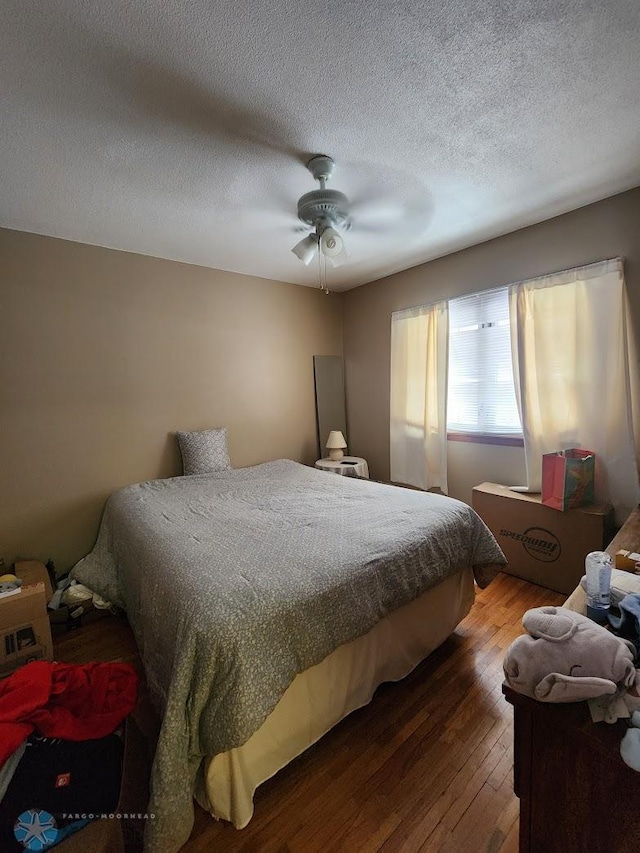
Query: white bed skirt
[320,697]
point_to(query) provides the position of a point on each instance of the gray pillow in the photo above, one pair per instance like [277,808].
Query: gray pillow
[205,451]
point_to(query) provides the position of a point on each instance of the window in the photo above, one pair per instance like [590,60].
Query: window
[481,395]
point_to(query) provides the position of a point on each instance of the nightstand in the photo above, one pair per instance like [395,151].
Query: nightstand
[348,466]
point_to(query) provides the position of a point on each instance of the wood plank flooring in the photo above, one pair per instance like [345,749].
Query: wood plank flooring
[426,767]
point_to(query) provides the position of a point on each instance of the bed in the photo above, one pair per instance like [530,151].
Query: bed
[269,602]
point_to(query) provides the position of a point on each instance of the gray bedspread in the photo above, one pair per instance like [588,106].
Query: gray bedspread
[235,582]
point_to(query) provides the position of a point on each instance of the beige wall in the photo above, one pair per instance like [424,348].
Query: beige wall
[104,354]
[603,230]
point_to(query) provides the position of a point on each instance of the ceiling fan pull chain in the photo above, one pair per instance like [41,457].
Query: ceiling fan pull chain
[322,272]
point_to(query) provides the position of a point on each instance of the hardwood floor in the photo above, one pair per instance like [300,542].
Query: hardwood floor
[425,767]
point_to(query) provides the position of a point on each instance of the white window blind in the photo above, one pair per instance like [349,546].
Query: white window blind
[481,396]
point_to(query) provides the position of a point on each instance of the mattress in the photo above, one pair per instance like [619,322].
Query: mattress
[321,696]
[236,582]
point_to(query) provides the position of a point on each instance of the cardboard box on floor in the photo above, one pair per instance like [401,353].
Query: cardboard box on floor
[66,616]
[25,634]
[100,836]
[33,571]
[542,545]
[125,832]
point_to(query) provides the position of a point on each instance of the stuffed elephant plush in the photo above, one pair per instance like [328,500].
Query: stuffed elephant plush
[565,657]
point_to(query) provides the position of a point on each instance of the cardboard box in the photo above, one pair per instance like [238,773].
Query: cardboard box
[103,835]
[542,545]
[25,634]
[66,617]
[100,836]
[33,571]
[69,618]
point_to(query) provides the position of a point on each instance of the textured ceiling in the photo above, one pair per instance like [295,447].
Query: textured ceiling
[181,129]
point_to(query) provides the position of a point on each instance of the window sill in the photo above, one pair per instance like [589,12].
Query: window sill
[487,438]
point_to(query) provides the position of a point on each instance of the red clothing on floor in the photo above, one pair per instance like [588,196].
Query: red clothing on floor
[70,701]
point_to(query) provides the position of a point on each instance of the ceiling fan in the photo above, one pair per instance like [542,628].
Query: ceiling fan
[402,206]
[325,211]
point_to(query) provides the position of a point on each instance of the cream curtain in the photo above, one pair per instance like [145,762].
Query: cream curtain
[418,430]
[570,350]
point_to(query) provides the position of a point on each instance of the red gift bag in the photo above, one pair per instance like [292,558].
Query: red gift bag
[568,478]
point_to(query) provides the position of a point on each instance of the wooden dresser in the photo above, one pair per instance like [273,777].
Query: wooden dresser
[627,538]
[576,793]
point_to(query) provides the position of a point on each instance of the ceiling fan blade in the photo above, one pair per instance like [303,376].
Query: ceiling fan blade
[397,204]
[375,217]
[408,218]
[274,219]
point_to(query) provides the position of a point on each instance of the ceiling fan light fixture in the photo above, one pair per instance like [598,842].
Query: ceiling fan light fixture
[322,209]
[332,246]
[306,249]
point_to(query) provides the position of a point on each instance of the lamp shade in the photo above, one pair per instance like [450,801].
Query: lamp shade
[332,246]
[306,249]
[335,440]
[335,444]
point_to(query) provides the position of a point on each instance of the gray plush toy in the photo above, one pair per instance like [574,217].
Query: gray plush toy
[565,657]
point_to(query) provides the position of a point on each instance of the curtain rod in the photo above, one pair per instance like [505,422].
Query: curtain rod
[510,284]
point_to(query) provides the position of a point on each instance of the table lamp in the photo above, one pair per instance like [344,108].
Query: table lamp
[335,445]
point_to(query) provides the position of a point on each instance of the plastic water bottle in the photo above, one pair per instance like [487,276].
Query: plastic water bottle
[597,566]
